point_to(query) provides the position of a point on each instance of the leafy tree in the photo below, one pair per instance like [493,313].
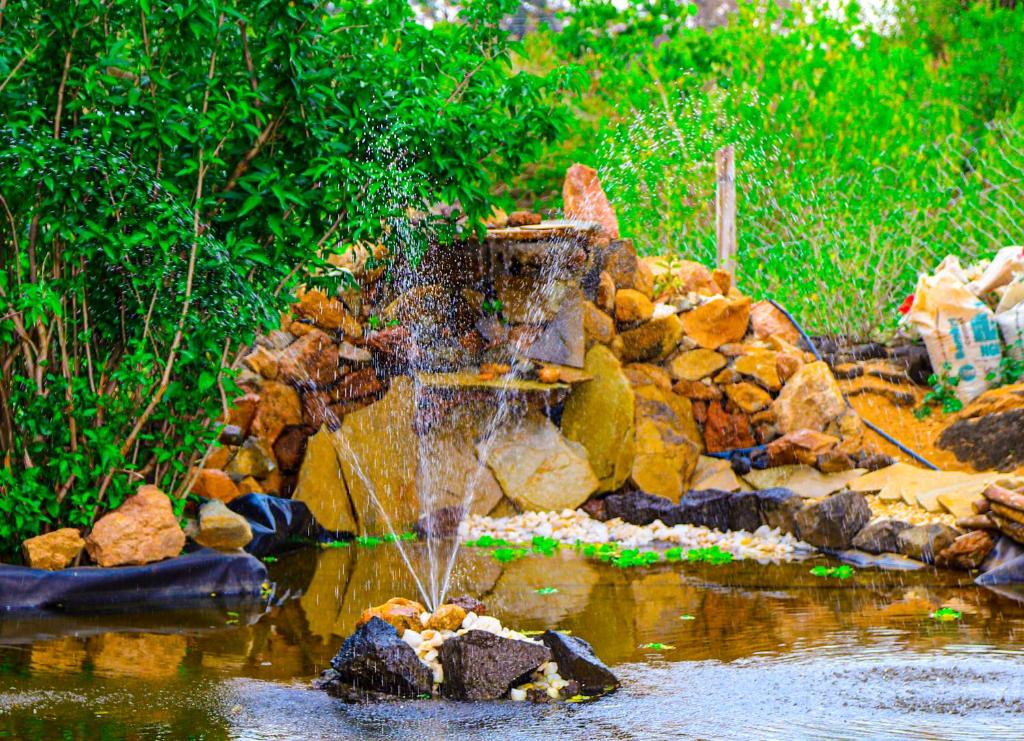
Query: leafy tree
[169,171]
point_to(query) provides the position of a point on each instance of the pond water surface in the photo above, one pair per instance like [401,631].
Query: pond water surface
[764,651]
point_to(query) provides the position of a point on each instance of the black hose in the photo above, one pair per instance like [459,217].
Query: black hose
[874,428]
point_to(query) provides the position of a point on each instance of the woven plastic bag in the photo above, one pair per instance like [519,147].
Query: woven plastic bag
[1010,318]
[958,329]
[1007,263]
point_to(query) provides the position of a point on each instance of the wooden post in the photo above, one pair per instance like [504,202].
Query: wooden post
[725,208]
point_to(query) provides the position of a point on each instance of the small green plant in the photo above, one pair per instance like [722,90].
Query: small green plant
[687,617]
[674,554]
[492,306]
[1011,370]
[546,590]
[833,572]
[657,646]
[942,394]
[632,558]
[504,555]
[544,546]
[269,559]
[946,615]
[488,541]
[713,555]
[368,541]
[335,544]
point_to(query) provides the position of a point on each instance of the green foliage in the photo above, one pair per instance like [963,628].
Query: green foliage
[864,153]
[546,590]
[833,572]
[505,555]
[632,558]
[488,541]
[946,615]
[713,555]
[544,546]
[942,393]
[1011,366]
[169,172]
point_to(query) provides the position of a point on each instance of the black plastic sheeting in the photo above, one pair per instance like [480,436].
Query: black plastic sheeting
[275,522]
[200,575]
[1003,570]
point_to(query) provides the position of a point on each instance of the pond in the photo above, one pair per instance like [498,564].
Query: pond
[748,651]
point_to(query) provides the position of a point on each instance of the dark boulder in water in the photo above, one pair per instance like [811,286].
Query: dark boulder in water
[640,508]
[709,508]
[578,663]
[484,666]
[376,659]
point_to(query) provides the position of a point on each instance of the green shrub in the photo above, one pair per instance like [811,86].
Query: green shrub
[170,171]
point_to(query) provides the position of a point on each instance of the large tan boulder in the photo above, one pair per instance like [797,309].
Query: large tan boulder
[53,551]
[810,399]
[537,468]
[584,199]
[321,485]
[378,449]
[599,414]
[140,531]
[666,451]
[718,321]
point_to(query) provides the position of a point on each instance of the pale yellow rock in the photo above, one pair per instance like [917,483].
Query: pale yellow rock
[695,365]
[810,399]
[537,468]
[379,449]
[920,487]
[805,481]
[762,366]
[322,486]
[715,473]
[666,454]
[599,414]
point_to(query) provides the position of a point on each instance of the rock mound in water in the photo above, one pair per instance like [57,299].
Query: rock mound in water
[460,655]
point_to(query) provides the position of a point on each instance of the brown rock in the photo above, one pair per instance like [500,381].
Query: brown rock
[722,279]
[762,366]
[810,399]
[243,411]
[599,414]
[651,341]
[301,329]
[597,325]
[835,461]
[357,356]
[640,374]
[312,359]
[355,385]
[976,522]
[767,321]
[698,391]
[447,617]
[221,528]
[583,199]
[318,411]
[53,551]
[523,218]
[748,397]
[727,375]
[327,313]
[724,431]
[967,552]
[718,321]
[212,483]
[140,531]
[632,306]
[262,361]
[622,264]
[666,450]
[219,457]
[393,342]
[279,407]
[249,485]
[401,614]
[605,298]
[322,487]
[682,277]
[469,604]
[1006,497]
[252,459]
[695,365]
[290,447]
[801,446]
[786,364]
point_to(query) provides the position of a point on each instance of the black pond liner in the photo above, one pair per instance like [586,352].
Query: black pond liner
[196,576]
[278,524]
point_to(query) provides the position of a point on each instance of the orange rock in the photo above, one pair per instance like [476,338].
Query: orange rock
[687,276]
[724,431]
[212,483]
[249,485]
[243,412]
[356,385]
[327,313]
[698,391]
[605,298]
[767,321]
[498,369]
[262,361]
[447,617]
[218,458]
[597,325]
[786,364]
[279,407]
[585,200]
[718,321]
[762,366]
[310,359]
[547,374]
[800,447]
[523,218]
[53,551]
[401,613]
[748,397]
[722,279]
[301,329]
[632,306]
[140,531]
[811,398]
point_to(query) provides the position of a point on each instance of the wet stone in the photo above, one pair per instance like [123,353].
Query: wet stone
[834,521]
[484,666]
[925,542]
[578,663]
[640,508]
[881,536]
[375,658]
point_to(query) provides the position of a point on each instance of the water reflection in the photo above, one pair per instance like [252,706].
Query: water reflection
[119,675]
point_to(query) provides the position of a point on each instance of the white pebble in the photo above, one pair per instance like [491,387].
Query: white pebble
[517,695]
